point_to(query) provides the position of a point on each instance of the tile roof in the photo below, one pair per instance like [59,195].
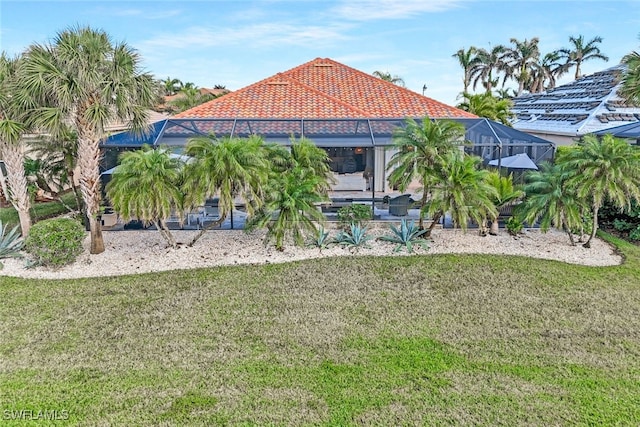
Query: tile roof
[589,104]
[323,88]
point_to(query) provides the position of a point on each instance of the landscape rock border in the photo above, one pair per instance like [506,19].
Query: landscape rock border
[144,251]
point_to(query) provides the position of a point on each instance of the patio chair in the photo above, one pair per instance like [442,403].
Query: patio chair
[399,206]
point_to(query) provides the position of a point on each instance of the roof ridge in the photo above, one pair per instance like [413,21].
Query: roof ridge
[393,85]
[330,97]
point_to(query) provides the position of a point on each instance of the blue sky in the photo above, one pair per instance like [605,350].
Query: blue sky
[236,43]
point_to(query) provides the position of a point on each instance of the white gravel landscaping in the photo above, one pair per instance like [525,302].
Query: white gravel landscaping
[133,252]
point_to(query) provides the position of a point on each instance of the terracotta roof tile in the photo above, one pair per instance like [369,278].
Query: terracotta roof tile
[323,88]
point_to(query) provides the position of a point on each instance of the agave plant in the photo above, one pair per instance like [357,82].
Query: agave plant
[407,236]
[10,242]
[320,239]
[355,238]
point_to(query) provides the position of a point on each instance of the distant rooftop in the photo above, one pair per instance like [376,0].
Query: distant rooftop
[587,105]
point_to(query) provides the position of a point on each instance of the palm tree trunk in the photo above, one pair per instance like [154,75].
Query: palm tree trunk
[594,227]
[435,220]
[89,165]
[568,230]
[205,229]
[161,226]
[18,194]
[423,202]
[495,227]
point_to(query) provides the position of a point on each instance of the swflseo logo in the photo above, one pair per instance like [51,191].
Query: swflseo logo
[38,415]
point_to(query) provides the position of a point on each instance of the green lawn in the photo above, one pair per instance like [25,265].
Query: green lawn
[39,211]
[475,340]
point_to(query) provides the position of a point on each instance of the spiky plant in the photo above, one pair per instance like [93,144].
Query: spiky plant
[406,237]
[11,242]
[320,239]
[355,238]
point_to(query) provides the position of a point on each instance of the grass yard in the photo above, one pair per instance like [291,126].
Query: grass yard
[39,211]
[461,340]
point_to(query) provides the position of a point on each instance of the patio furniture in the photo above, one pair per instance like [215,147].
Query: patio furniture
[399,206]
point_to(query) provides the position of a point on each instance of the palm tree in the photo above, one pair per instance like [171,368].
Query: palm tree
[630,90]
[488,66]
[551,200]
[228,168]
[604,169]
[291,206]
[467,59]
[58,158]
[12,146]
[522,58]
[461,189]
[84,80]
[486,105]
[189,97]
[506,194]
[386,76]
[505,93]
[146,186]
[307,155]
[171,86]
[420,149]
[580,52]
[546,74]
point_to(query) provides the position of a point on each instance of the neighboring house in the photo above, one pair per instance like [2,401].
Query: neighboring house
[165,107]
[351,114]
[117,126]
[565,113]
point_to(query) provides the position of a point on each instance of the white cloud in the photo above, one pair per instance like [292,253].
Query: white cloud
[368,10]
[133,12]
[262,35]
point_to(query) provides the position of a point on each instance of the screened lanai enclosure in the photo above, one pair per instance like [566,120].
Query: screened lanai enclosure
[359,151]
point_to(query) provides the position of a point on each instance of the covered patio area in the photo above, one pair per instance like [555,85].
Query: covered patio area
[359,151]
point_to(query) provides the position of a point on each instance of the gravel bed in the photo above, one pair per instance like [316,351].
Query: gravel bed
[132,252]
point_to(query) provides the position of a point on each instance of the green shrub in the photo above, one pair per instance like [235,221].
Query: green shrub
[635,234]
[354,214]
[622,225]
[55,242]
[514,226]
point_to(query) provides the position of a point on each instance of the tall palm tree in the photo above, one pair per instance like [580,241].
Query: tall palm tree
[386,76]
[486,105]
[489,64]
[551,200]
[85,81]
[228,168]
[420,147]
[546,74]
[146,186]
[12,146]
[581,51]
[631,79]
[521,59]
[604,169]
[461,188]
[467,59]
